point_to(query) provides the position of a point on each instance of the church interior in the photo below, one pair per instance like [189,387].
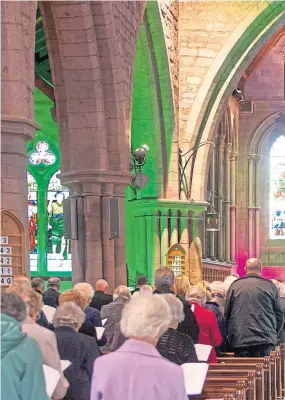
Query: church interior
[143,134]
[142,200]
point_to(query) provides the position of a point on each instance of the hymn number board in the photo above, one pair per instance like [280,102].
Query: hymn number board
[12,248]
[176,259]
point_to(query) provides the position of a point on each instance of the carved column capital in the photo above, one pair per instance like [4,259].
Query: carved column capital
[233,156]
[251,158]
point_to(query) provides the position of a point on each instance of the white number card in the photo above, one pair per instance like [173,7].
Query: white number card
[6,281]
[6,271]
[6,261]
[5,250]
[4,239]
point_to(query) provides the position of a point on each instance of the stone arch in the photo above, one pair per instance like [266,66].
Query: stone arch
[211,100]
[258,136]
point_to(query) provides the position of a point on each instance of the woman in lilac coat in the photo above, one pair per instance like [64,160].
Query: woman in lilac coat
[137,370]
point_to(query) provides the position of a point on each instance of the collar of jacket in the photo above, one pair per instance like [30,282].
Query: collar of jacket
[65,328]
[139,347]
[252,275]
[163,289]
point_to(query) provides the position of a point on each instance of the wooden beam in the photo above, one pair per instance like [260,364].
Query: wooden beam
[44,87]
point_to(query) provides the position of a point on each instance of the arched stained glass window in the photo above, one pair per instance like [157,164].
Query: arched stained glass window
[277,189]
[33,220]
[58,247]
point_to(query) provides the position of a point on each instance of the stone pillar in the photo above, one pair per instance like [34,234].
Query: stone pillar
[103,257]
[17,105]
[164,234]
[227,202]
[212,202]
[251,159]
[184,239]
[233,157]
[257,205]
[220,184]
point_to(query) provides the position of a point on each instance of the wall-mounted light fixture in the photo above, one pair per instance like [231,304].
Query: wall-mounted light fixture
[138,160]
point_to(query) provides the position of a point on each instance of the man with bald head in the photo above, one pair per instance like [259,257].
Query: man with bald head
[101,298]
[253,313]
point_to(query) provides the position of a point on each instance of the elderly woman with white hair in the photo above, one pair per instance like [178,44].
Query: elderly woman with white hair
[174,345]
[137,370]
[22,376]
[81,350]
[93,316]
[206,319]
[113,313]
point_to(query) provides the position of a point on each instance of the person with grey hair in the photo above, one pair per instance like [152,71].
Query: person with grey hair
[22,376]
[51,295]
[164,283]
[113,313]
[137,370]
[173,345]
[81,350]
[228,281]
[92,316]
[38,284]
[253,313]
[209,329]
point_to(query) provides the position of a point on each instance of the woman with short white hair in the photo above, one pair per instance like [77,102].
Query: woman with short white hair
[93,316]
[209,330]
[145,290]
[113,312]
[81,350]
[174,345]
[137,370]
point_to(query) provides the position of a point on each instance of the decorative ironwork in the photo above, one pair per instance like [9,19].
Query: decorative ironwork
[184,161]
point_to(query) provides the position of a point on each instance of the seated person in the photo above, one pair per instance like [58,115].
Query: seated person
[174,345]
[79,349]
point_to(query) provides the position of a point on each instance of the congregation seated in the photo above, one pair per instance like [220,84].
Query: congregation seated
[44,337]
[173,345]
[86,328]
[81,350]
[22,376]
[164,283]
[51,295]
[38,284]
[101,296]
[92,315]
[207,321]
[137,370]
[113,313]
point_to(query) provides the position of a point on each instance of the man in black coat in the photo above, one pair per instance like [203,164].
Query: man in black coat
[101,298]
[141,281]
[253,313]
[51,295]
[164,280]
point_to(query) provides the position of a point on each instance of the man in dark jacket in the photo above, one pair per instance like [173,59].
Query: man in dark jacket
[253,313]
[141,281]
[51,295]
[164,280]
[101,298]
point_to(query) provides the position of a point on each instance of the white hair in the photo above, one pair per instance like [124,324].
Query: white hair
[85,289]
[176,308]
[218,287]
[282,290]
[122,292]
[146,317]
[228,281]
[196,293]
[68,314]
[145,290]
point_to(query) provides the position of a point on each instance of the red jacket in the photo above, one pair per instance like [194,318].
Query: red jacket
[209,329]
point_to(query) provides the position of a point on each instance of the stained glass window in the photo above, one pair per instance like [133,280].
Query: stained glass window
[58,247]
[277,189]
[42,155]
[33,220]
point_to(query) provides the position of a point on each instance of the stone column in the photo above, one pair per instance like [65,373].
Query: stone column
[233,157]
[251,158]
[227,202]
[220,184]
[17,105]
[104,257]
[257,205]
[164,234]
[212,203]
